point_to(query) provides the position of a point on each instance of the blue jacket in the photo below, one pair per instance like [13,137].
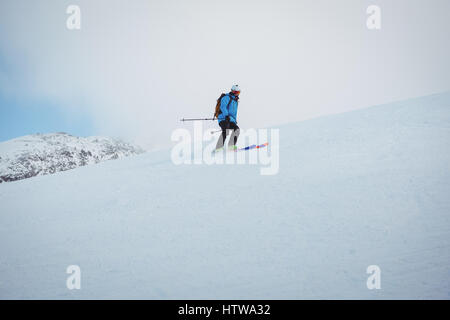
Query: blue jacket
[231,111]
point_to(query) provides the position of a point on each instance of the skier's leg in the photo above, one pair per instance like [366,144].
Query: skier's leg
[235,135]
[223,125]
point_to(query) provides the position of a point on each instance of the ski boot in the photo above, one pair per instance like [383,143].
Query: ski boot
[217,150]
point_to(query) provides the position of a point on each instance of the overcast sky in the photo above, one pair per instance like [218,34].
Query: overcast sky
[136,67]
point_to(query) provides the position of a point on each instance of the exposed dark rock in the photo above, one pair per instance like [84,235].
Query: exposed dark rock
[42,154]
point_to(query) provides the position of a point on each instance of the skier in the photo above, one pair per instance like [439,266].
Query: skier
[227,118]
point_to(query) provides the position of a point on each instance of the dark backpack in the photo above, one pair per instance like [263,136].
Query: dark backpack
[217,112]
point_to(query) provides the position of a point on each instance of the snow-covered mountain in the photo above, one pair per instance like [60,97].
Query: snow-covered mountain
[368,187]
[41,154]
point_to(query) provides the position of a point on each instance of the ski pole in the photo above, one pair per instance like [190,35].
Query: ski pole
[215,131]
[197,119]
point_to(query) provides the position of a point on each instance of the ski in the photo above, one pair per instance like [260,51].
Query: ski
[254,146]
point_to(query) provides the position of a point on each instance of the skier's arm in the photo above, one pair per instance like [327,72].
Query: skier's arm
[224,104]
[233,114]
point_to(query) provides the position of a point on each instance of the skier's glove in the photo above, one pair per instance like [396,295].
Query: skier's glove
[227,118]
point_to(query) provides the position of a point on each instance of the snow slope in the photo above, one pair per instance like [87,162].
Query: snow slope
[369,187]
[40,154]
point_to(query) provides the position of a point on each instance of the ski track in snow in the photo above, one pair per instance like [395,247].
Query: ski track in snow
[367,187]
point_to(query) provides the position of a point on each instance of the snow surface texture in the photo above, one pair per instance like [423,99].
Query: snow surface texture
[369,187]
[41,154]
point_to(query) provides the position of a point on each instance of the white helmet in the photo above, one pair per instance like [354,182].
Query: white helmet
[235,88]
